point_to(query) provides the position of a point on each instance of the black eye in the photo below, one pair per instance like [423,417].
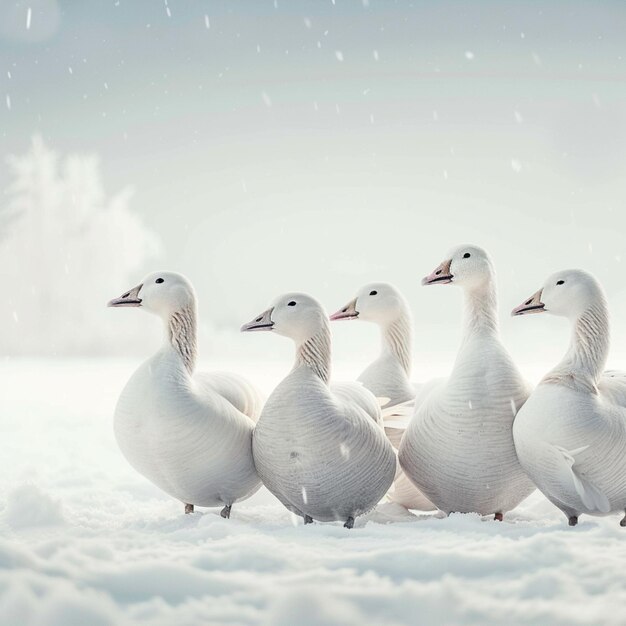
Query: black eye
[467,255]
[560,282]
[159,280]
[292,303]
[373,293]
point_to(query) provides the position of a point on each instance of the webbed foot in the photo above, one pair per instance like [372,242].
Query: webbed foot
[308,520]
[349,523]
[573,520]
[225,512]
[188,509]
[498,517]
[622,522]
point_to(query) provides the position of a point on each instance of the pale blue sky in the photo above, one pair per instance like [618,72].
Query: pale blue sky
[318,146]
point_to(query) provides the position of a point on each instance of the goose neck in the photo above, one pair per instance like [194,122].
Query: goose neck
[481,309]
[396,340]
[586,356]
[181,335]
[314,353]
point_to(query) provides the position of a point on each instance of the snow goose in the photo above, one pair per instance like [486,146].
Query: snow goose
[320,450]
[458,448]
[188,433]
[388,377]
[571,433]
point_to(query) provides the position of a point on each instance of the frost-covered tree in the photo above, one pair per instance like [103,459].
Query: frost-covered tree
[65,249]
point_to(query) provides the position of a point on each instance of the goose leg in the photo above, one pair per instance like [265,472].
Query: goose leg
[498,517]
[622,522]
[573,520]
[225,512]
[307,519]
[188,509]
[349,522]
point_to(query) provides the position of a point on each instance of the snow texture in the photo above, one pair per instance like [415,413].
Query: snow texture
[86,540]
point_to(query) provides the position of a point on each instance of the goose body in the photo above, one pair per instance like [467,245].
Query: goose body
[188,433]
[388,376]
[458,448]
[319,449]
[571,433]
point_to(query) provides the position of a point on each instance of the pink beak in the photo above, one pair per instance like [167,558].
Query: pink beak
[532,305]
[348,312]
[440,276]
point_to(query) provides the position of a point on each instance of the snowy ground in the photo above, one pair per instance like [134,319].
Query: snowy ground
[86,541]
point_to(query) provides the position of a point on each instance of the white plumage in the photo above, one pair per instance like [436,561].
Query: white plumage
[458,448]
[189,433]
[571,433]
[388,377]
[320,450]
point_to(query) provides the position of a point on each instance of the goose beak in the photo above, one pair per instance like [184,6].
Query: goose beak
[130,298]
[532,305]
[261,322]
[348,312]
[440,276]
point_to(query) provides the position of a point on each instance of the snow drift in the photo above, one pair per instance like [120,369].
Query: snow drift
[86,540]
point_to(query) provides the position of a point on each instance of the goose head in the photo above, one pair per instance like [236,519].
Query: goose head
[380,303]
[294,315]
[161,293]
[569,293]
[467,266]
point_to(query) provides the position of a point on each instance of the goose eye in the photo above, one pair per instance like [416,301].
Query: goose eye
[159,280]
[467,255]
[560,282]
[373,293]
[292,303]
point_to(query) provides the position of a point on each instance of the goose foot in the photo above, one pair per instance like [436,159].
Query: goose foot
[622,522]
[349,523]
[573,520]
[498,517]
[308,520]
[225,512]
[188,509]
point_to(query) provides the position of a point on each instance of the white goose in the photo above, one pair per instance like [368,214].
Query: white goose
[388,377]
[321,451]
[190,434]
[571,433]
[458,448]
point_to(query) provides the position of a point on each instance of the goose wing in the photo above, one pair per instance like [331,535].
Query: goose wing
[612,387]
[242,394]
[351,395]
[396,418]
[591,496]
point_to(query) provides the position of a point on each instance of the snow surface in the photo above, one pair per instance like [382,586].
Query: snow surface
[84,540]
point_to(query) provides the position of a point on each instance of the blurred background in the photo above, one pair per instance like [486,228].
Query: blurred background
[261,146]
